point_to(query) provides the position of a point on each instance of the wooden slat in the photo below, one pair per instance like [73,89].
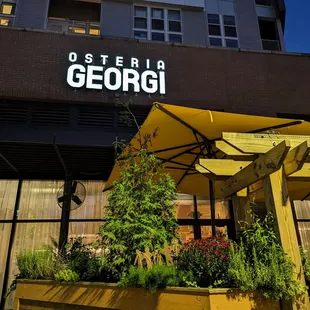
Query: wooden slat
[257,170]
[278,202]
[296,158]
[260,143]
[228,149]
[221,167]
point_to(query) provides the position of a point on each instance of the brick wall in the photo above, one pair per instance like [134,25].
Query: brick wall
[34,64]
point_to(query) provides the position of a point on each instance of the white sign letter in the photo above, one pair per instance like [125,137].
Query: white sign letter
[107,79]
[134,80]
[73,57]
[104,59]
[148,66]
[162,82]
[146,81]
[134,63]
[160,65]
[89,58]
[119,61]
[93,77]
[79,77]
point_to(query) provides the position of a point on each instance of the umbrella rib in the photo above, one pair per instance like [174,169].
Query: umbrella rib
[186,172]
[172,162]
[276,127]
[180,121]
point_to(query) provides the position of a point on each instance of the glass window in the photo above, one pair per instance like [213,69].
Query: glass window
[140,11]
[216,42]
[94,204]
[5,231]
[8,191]
[94,31]
[175,38]
[230,32]
[186,233]
[6,22]
[214,19]
[185,207]
[204,211]
[263,2]
[304,231]
[140,23]
[140,35]
[206,231]
[88,230]
[214,30]
[7,8]
[38,200]
[158,13]
[158,24]
[174,15]
[174,26]
[29,236]
[80,30]
[229,20]
[158,36]
[302,209]
[232,43]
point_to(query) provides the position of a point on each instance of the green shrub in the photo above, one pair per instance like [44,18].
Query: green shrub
[67,275]
[207,259]
[260,263]
[305,262]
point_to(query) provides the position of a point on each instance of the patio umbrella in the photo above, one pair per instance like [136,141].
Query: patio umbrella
[186,134]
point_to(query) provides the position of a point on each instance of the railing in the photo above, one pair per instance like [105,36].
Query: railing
[192,3]
[79,27]
[271,45]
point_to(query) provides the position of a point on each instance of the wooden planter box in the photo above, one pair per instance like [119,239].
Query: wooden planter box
[35,295]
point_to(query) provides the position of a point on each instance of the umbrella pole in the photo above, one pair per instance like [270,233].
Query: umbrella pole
[212,206]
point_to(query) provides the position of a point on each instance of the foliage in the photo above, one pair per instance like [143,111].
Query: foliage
[157,277]
[207,259]
[305,262]
[259,263]
[67,275]
[140,214]
[82,260]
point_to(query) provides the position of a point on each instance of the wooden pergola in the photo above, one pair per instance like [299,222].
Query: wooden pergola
[262,165]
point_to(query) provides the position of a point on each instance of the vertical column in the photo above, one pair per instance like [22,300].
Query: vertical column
[241,210]
[278,202]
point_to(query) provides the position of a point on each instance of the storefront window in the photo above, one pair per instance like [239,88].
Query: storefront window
[8,190]
[204,210]
[87,230]
[94,204]
[206,231]
[39,200]
[185,207]
[29,236]
[186,233]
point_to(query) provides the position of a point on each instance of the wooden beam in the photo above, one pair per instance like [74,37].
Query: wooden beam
[257,170]
[260,143]
[241,210]
[296,158]
[301,175]
[256,187]
[221,167]
[277,201]
[228,149]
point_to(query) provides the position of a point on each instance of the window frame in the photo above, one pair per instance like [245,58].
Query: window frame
[149,31]
[222,26]
[266,5]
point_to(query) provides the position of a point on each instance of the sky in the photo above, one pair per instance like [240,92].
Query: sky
[297,28]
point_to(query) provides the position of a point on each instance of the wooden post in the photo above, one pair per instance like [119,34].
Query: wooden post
[278,202]
[241,209]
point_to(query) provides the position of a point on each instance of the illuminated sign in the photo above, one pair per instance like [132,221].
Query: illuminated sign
[102,72]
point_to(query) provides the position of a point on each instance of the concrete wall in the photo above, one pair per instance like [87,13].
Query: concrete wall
[116,19]
[31,13]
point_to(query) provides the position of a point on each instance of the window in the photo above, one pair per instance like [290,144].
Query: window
[84,28]
[7,14]
[269,34]
[157,24]
[222,30]
[263,2]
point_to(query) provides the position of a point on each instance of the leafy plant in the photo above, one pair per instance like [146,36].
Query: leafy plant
[305,262]
[67,275]
[260,263]
[207,259]
[157,277]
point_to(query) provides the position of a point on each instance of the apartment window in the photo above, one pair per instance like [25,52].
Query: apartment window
[269,34]
[222,30]
[263,2]
[157,24]
[7,14]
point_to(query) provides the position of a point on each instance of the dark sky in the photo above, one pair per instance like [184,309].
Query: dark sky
[297,29]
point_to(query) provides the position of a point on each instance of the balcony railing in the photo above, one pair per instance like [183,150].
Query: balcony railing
[200,4]
[79,27]
[271,45]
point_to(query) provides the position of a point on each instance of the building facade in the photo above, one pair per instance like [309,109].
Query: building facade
[67,65]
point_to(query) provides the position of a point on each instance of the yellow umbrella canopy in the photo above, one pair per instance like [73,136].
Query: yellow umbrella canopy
[187,134]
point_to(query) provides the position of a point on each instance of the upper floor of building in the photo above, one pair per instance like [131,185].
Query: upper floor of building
[246,24]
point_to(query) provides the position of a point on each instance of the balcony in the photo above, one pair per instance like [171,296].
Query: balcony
[74,26]
[197,4]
